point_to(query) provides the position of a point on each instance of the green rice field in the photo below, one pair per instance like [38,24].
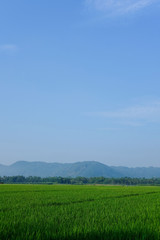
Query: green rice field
[70,212]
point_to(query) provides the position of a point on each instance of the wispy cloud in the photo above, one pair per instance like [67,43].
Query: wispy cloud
[133,115]
[7,48]
[119,6]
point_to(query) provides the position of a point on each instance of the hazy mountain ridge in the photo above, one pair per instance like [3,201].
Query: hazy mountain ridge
[83,169]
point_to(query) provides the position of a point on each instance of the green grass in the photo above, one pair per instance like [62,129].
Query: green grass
[54,212]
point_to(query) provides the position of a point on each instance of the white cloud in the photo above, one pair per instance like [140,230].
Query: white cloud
[119,6]
[8,48]
[133,115]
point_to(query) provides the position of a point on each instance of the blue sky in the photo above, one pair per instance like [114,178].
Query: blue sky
[79,81]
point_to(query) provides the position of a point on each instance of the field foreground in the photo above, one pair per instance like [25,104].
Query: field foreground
[54,212]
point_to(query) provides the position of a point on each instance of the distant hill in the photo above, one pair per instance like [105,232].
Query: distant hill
[138,172]
[83,169]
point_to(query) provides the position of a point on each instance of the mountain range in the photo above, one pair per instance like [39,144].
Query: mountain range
[83,169]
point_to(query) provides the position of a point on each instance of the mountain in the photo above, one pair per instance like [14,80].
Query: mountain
[42,169]
[138,172]
[83,169]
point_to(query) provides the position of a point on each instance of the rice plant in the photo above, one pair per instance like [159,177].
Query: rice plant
[62,212]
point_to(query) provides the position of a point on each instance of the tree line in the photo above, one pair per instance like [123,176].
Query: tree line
[80,180]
